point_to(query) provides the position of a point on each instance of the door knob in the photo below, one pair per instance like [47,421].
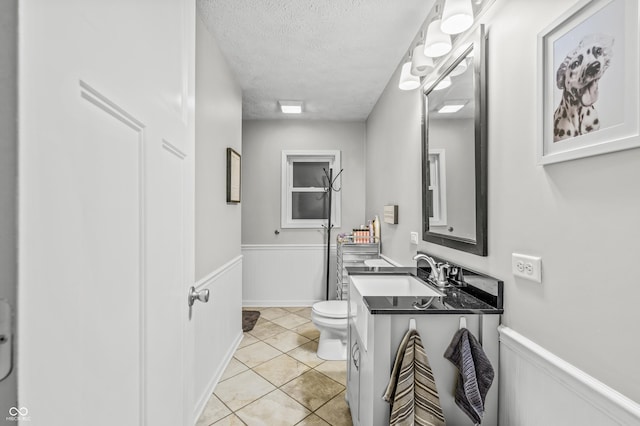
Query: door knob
[202,296]
[6,340]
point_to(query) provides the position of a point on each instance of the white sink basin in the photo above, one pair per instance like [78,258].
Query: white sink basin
[392,285]
[381,285]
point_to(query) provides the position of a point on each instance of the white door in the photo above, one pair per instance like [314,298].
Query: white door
[106,211]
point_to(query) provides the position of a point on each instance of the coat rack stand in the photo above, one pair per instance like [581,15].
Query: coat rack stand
[330,189]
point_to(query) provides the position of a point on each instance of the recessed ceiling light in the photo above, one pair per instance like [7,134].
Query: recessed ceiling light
[290,107]
[450,107]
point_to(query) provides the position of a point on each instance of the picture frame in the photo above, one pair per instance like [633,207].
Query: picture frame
[588,81]
[233,176]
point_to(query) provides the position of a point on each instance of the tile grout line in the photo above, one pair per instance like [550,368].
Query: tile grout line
[281,352]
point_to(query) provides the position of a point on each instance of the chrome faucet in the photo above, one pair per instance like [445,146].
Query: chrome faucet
[439,271]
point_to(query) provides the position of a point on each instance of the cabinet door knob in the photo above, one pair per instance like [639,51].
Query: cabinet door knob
[355,355]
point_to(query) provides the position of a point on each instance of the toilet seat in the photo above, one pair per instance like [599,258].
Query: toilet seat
[331,309]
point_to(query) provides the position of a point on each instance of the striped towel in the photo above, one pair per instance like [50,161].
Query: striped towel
[476,373]
[412,390]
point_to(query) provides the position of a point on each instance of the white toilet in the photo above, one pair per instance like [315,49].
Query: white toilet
[331,318]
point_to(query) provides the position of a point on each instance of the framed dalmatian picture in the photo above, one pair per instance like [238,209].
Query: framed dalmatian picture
[589,81]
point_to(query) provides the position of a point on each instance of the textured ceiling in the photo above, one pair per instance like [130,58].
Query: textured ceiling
[335,55]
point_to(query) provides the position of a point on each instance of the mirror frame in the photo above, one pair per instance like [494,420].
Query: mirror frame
[479,246]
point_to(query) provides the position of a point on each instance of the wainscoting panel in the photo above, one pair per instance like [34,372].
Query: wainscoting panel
[286,274]
[538,388]
[217,328]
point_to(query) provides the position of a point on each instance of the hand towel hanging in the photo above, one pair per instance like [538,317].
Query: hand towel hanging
[475,373]
[412,390]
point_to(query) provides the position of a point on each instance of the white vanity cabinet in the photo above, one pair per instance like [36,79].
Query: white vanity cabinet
[369,368]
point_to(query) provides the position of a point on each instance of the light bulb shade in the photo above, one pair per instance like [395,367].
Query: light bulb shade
[420,64]
[459,69]
[444,83]
[457,16]
[437,43]
[408,81]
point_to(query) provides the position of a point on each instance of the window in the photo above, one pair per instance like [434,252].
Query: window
[305,202]
[437,188]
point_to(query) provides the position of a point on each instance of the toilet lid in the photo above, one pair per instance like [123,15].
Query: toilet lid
[331,308]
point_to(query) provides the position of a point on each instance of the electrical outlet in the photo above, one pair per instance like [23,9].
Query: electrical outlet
[529,267]
[414,238]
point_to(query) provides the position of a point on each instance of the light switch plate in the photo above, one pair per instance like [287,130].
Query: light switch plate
[528,267]
[414,238]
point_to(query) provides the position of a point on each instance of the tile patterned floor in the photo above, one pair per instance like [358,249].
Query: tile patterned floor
[276,379]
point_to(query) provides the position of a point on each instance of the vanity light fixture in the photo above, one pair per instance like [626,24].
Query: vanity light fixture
[459,69]
[420,64]
[457,16]
[450,107]
[290,107]
[437,43]
[408,81]
[444,83]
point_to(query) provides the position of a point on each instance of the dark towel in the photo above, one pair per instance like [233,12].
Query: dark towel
[476,373]
[412,390]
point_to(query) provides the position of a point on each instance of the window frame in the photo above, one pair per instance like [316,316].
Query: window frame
[438,186]
[292,156]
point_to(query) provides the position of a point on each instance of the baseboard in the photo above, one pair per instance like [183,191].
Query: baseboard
[206,395]
[277,303]
[579,391]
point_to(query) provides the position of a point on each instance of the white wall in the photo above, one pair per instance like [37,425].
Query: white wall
[218,326]
[286,274]
[263,142]
[581,216]
[393,168]
[8,173]
[218,127]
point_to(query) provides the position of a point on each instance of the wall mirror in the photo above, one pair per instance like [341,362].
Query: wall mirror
[454,151]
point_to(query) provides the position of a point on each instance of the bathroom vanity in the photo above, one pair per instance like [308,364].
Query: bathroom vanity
[378,321]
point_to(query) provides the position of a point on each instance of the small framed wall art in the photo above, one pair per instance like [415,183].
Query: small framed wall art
[589,81]
[233,176]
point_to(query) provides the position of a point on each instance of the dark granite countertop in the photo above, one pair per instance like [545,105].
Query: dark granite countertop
[461,298]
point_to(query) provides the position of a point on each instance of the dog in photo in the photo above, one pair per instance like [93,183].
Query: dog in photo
[578,77]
